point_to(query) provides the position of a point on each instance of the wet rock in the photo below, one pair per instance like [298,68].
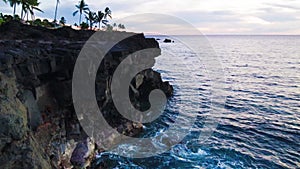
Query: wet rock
[82,154]
[167,41]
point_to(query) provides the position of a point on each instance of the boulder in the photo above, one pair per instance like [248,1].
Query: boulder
[82,154]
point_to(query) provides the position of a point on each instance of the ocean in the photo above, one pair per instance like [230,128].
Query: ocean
[251,94]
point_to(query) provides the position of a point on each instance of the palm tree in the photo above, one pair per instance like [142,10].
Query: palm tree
[121,26]
[24,7]
[13,3]
[115,26]
[28,6]
[55,14]
[92,16]
[81,7]
[107,12]
[31,6]
[99,18]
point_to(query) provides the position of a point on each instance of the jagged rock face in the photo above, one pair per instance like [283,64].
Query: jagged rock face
[17,147]
[49,65]
[13,112]
[42,62]
[82,152]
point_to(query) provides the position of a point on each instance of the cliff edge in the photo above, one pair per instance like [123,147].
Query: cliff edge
[39,127]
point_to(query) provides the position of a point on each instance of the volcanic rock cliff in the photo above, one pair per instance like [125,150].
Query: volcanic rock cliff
[39,127]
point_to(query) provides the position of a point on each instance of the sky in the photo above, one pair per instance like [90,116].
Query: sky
[279,17]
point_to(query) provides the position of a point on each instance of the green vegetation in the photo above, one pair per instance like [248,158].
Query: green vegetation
[121,26]
[114,27]
[1,18]
[13,4]
[62,21]
[91,17]
[99,17]
[5,18]
[81,7]
[29,7]
[84,25]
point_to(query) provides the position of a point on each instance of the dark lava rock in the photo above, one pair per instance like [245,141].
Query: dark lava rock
[41,61]
[167,40]
[18,149]
[81,153]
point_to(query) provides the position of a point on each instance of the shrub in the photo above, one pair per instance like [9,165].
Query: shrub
[37,22]
[84,25]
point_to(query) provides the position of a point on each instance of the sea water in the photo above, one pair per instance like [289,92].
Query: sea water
[258,119]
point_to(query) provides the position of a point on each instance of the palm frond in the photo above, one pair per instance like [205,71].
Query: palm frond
[74,13]
[36,8]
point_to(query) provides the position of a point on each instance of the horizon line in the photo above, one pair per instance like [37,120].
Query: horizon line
[226,35]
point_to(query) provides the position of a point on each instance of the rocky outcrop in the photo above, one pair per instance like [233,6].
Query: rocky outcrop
[36,93]
[82,153]
[19,149]
[167,40]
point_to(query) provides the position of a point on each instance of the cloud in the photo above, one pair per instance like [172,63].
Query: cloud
[276,15]
[159,23]
[284,6]
[206,17]
[212,17]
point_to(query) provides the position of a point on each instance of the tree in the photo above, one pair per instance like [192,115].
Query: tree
[24,7]
[55,13]
[99,18]
[33,5]
[28,7]
[121,26]
[107,12]
[109,28]
[81,7]
[115,26]
[62,21]
[91,17]
[13,3]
